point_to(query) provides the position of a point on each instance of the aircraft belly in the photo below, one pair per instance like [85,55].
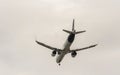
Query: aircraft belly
[65,51]
[67,46]
[59,58]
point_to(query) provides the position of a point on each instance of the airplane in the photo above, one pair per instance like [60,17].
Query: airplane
[62,52]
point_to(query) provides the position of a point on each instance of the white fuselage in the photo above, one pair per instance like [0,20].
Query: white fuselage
[66,48]
[64,52]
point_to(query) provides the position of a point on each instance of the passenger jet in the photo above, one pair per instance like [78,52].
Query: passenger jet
[62,52]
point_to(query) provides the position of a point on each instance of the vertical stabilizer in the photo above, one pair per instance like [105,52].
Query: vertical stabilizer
[73,29]
[73,26]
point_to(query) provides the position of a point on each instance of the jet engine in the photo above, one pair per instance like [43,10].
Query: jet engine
[73,54]
[53,53]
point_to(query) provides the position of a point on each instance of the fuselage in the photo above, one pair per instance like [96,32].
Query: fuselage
[66,48]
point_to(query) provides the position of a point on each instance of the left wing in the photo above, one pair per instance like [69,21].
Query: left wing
[83,48]
[49,47]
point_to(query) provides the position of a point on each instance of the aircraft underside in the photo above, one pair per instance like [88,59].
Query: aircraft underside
[62,52]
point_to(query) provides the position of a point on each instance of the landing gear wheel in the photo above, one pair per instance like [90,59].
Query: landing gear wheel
[59,64]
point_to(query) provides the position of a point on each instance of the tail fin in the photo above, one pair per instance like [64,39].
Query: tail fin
[73,29]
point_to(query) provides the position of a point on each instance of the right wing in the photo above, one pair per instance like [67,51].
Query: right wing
[49,47]
[83,48]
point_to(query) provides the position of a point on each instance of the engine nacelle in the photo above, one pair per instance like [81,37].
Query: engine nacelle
[53,53]
[73,54]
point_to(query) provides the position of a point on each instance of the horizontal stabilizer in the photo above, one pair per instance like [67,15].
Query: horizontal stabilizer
[67,31]
[79,32]
[73,29]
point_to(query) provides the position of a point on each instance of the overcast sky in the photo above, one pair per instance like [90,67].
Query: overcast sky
[23,21]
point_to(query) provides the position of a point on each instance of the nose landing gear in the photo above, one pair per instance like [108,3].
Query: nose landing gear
[59,64]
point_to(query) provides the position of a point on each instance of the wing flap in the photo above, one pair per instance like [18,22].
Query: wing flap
[91,46]
[49,47]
